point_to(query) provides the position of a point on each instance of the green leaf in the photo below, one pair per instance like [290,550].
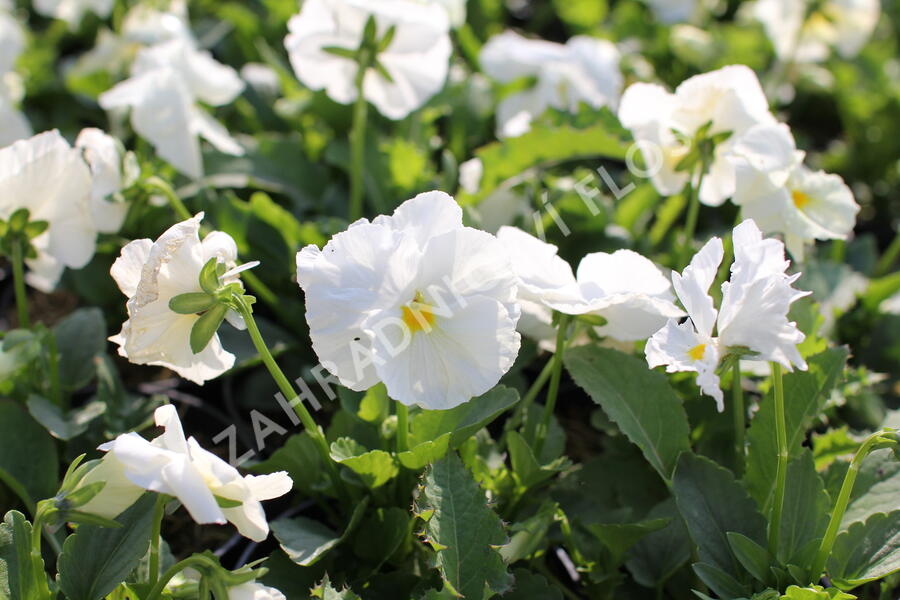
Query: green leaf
[866,551]
[530,535]
[191,303]
[832,445]
[815,592]
[206,326]
[17,572]
[300,458]
[95,560]
[722,583]
[713,504]
[805,393]
[658,555]
[877,487]
[751,555]
[532,586]
[28,463]
[805,512]
[463,530]
[525,466]
[619,538]
[543,145]
[638,400]
[434,432]
[305,541]
[374,467]
[80,338]
[382,534]
[63,426]
[324,591]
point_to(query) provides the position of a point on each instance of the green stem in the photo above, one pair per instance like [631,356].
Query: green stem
[737,405]
[358,143]
[159,512]
[37,560]
[553,391]
[289,394]
[175,201]
[889,257]
[519,415]
[402,427]
[18,266]
[690,224]
[840,505]
[781,472]
[160,586]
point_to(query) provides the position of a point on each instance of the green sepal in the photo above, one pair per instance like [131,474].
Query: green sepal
[192,303]
[83,518]
[592,320]
[19,220]
[341,52]
[206,326]
[227,502]
[209,276]
[80,497]
[387,39]
[35,228]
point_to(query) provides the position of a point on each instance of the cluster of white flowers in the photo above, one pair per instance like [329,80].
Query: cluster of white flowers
[210,489]
[410,69]
[170,75]
[752,315]
[583,70]
[806,30]
[67,187]
[755,162]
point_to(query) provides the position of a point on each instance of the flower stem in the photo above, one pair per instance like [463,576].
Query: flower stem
[840,505]
[889,257]
[402,427]
[737,405]
[37,560]
[18,266]
[781,472]
[536,387]
[690,224]
[553,391]
[288,392]
[181,211]
[160,586]
[358,144]
[159,511]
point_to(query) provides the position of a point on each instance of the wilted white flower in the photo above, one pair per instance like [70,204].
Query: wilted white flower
[210,489]
[624,288]
[105,155]
[730,99]
[781,195]
[584,70]
[414,64]
[753,313]
[167,80]
[72,11]
[150,274]
[805,30]
[414,300]
[48,177]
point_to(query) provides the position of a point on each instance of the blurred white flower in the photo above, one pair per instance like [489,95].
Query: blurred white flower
[254,591]
[13,124]
[415,62]
[104,155]
[584,70]
[150,274]
[672,11]
[262,78]
[456,11]
[167,81]
[729,98]
[805,30]
[781,195]
[624,288]
[753,313]
[72,11]
[415,300]
[470,173]
[48,177]
[206,485]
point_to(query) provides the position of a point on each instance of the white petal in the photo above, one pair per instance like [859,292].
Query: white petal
[543,276]
[692,286]
[427,215]
[129,265]
[268,487]
[681,348]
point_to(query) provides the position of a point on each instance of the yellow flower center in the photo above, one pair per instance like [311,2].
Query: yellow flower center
[697,352]
[800,199]
[418,315]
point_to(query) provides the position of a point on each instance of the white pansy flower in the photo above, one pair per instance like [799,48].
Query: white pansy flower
[416,59]
[414,300]
[117,493]
[200,480]
[805,30]
[781,195]
[150,274]
[167,81]
[104,154]
[672,11]
[584,70]
[624,288]
[48,177]
[753,313]
[664,124]
[72,11]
